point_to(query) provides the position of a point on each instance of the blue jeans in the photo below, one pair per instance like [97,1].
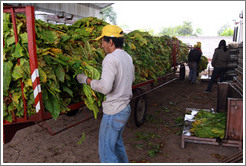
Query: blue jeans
[111,146]
[193,71]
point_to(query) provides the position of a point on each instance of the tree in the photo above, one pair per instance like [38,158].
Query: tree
[109,14]
[225,30]
[167,31]
[181,30]
[198,32]
[185,29]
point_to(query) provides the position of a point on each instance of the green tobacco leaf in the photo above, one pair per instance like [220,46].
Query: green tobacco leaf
[88,93]
[66,89]
[64,38]
[49,36]
[60,73]
[66,102]
[7,70]
[94,72]
[42,75]
[6,22]
[45,95]
[19,27]
[5,110]
[15,98]
[23,37]
[25,66]
[92,107]
[9,118]
[17,72]
[52,105]
[20,110]
[19,51]
[11,108]
[59,61]
[82,139]
[152,153]
[10,40]
[51,74]
[31,99]
[48,59]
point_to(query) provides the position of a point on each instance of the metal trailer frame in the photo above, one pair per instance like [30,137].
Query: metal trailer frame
[10,128]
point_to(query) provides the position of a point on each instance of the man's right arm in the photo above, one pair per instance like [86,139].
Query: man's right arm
[105,84]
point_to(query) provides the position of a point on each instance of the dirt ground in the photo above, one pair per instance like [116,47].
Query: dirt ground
[158,140]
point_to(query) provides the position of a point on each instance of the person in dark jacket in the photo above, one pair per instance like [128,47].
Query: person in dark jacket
[219,62]
[194,58]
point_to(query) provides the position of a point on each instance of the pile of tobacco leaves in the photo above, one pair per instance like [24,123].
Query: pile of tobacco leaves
[209,125]
[63,52]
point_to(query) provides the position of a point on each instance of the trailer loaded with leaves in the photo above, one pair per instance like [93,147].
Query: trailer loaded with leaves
[41,61]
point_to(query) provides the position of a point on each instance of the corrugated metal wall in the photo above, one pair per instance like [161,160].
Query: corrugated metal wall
[64,13]
[78,10]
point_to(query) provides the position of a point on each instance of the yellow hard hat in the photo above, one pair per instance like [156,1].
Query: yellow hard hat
[111,31]
[199,44]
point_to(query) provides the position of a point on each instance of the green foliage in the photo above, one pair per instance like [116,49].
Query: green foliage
[156,149]
[152,55]
[179,120]
[7,66]
[202,64]
[82,139]
[153,149]
[209,125]
[225,30]
[61,56]
[167,31]
[185,29]
[198,32]
[109,14]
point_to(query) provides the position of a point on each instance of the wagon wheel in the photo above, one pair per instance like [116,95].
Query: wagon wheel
[140,108]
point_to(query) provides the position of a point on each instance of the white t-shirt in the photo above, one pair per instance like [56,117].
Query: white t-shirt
[116,81]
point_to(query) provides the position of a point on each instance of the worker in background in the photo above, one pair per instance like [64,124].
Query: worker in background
[116,83]
[194,58]
[219,62]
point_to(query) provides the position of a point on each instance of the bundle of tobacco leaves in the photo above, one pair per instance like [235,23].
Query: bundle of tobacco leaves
[209,125]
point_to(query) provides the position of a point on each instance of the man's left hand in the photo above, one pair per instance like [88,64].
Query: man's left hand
[81,78]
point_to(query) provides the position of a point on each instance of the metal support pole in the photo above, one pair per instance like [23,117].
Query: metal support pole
[30,17]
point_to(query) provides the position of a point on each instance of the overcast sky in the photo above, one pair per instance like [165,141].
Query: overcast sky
[210,16]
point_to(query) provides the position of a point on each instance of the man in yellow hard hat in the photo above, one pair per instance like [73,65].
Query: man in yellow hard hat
[194,58]
[116,83]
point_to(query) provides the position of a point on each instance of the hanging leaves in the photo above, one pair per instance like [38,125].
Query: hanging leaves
[65,51]
[60,73]
[7,73]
